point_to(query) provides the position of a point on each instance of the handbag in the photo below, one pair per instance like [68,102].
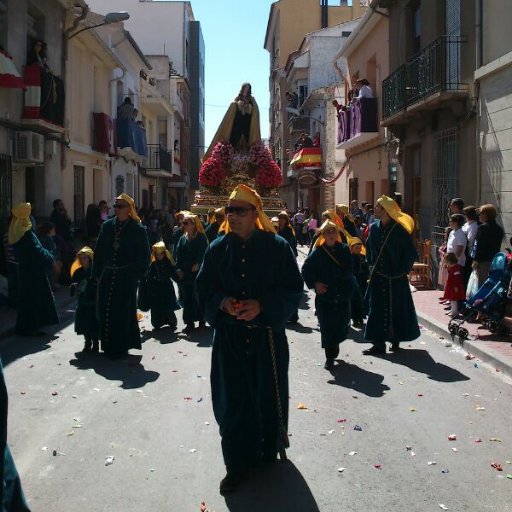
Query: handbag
[472,287]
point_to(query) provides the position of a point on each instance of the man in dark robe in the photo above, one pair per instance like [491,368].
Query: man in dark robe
[122,257]
[36,304]
[213,229]
[390,254]
[60,218]
[248,287]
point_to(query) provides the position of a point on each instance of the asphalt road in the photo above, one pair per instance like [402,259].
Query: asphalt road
[152,413]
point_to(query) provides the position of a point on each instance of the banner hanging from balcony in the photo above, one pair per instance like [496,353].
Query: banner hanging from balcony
[310,158]
[9,76]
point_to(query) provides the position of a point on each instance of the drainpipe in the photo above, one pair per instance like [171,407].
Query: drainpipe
[478,64]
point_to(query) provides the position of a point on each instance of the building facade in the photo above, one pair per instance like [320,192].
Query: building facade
[493,76]
[370,155]
[428,104]
[288,23]
[169,28]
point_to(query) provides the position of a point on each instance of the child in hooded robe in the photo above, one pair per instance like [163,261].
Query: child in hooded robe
[361,273]
[86,321]
[160,289]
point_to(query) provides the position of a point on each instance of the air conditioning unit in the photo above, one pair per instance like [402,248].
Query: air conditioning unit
[29,148]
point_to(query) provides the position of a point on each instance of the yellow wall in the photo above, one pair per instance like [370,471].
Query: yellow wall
[300,17]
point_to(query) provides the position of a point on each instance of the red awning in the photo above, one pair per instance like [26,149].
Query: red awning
[9,76]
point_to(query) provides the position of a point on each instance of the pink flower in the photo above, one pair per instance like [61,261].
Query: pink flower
[260,155]
[223,153]
[269,176]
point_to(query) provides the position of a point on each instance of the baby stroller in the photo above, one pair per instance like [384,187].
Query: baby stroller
[490,300]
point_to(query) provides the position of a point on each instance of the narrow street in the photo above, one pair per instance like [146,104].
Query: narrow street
[385,421]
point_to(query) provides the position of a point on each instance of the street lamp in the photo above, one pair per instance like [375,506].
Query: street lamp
[111,17]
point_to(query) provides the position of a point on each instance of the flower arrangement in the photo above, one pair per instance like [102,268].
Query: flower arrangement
[225,160]
[269,176]
[260,156]
[212,173]
[223,153]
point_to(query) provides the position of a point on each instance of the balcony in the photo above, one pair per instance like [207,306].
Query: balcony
[431,78]
[131,140]
[298,124]
[159,162]
[306,165]
[358,124]
[44,100]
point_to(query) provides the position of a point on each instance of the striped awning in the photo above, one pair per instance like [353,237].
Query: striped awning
[9,75]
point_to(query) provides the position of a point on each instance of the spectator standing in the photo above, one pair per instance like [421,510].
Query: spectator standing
[457,240]
[121,258]
[312,227]
[487,243]
[126,110]
[60,218]
[470,228]
[36,305]
[354,209]
[298,224]
[455,291]
[457,205]
[93,222]
[363,89]
[104,210]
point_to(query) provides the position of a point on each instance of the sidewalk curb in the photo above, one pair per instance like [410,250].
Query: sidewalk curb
[61,306]
[473,347]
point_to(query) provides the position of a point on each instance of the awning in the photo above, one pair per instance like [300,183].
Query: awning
[307,157]
[9,76]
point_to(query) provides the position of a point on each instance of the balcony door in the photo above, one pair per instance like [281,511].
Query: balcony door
[452,16]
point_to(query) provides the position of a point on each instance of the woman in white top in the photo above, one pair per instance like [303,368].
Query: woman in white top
[457,240]
[364,89]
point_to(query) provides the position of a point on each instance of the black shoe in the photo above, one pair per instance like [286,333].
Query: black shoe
[189,328]
[395,347]
[173,327]
[229,484]
[87,347]
[329,364]
[95,346]
[202,325]
[357,323]
[375,350]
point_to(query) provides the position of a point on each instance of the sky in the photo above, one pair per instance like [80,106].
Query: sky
[234,34]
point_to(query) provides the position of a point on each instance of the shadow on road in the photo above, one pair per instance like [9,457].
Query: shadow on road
[421,361]
[202,337]
[164,335]
[19,346]
[280,487]
[353,377]
[298,327]
[130,371]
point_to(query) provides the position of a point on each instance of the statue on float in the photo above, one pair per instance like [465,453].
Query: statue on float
[237,155]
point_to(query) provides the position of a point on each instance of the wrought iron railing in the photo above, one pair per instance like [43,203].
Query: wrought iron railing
[434,69]
[394,98]
[159,158]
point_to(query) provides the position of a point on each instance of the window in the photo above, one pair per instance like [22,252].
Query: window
[352,189]
[445,179]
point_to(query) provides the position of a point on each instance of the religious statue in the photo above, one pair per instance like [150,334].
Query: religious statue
[241,124]
[237,155]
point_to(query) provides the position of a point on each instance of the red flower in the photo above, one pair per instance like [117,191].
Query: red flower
[269,176]
[211,173]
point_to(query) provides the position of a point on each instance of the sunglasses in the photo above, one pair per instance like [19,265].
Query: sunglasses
[120,206]
[241,211]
